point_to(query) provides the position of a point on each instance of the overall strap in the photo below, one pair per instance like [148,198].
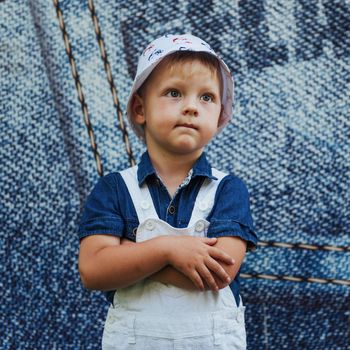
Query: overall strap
[141,197]
[206,197]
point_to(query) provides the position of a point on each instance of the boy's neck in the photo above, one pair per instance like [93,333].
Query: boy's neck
[173,168]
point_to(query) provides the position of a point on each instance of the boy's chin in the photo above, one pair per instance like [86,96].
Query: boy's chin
[186,149]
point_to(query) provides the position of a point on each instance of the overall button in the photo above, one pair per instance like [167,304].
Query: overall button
[150,225]
[134,230]
[203,205]
[171,210]
[145,205]
[200,226]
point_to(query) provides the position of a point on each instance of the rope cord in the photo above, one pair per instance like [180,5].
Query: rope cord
[304,246]
[266,244]
[128,148]
[79,88]
[108,71]
[296,279]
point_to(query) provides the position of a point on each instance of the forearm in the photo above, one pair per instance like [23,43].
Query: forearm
[169,275]
[105,264]
[119,265]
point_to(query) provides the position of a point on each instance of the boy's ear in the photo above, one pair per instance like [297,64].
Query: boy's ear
[138,110]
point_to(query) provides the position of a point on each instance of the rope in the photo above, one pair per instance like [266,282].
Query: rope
[296,279]
[108,71]
[79,88]
[303,246]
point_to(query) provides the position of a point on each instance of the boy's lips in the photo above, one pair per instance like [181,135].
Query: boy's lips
[187,125]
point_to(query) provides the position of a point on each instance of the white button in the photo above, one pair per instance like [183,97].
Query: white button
[199,226]
[150,225]
[203,205]
[145,205]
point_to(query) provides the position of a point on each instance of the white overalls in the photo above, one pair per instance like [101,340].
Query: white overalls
[152,315]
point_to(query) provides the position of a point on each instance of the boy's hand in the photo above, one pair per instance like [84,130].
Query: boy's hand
[198,260]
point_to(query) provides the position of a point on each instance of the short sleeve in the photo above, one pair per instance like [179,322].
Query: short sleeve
[231,215]
[101,214]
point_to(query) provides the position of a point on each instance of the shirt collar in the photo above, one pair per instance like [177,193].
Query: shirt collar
[146,169]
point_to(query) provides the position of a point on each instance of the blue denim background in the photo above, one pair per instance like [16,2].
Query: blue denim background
[289,141]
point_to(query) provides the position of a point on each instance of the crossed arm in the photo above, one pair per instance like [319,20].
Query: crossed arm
[108,263]
[233,246]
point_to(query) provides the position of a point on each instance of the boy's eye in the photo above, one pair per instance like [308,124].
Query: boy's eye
[173,93]
[207,98]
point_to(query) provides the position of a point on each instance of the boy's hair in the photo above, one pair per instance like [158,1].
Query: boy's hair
[181,48]
[207,59]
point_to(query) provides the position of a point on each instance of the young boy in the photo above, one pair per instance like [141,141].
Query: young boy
[166,239]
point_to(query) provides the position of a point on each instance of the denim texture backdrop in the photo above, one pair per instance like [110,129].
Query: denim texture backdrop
[289,140]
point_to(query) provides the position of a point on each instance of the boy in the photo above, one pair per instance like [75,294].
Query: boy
[172,284]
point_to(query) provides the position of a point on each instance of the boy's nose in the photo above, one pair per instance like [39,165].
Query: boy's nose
[190,109]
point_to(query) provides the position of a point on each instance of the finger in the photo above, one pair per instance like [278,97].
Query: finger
[219,254]
[197,280]
[209,241]
[218,270]
[207,277]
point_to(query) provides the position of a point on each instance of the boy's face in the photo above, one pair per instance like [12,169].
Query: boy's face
[179,108]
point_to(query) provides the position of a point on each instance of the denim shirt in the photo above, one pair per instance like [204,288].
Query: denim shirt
[110,210]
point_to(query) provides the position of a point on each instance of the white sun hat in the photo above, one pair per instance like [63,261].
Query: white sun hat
[166,45]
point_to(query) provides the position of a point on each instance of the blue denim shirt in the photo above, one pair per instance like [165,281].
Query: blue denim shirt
[110,210]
